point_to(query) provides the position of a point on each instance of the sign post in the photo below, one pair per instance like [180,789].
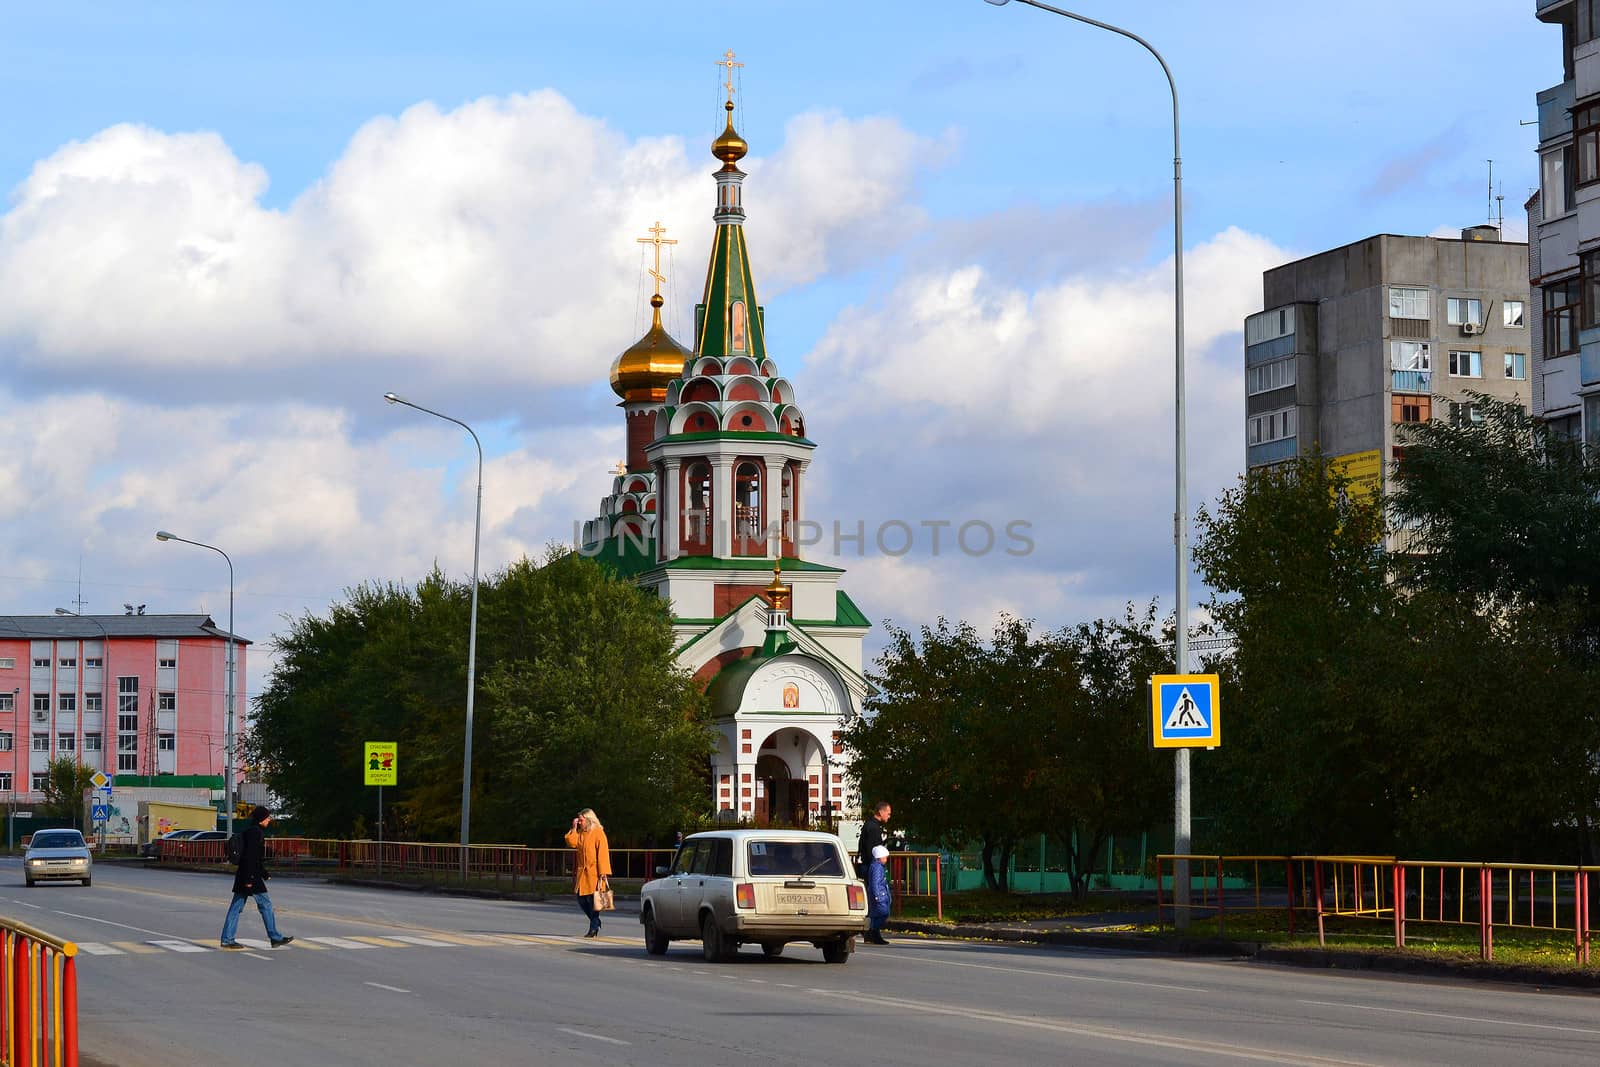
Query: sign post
[380,767]
[1185,713]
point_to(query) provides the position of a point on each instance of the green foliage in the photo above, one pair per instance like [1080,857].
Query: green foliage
[1026,733]
[65,783]
[578,704]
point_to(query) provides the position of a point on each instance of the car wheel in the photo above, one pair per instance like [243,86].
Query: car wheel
[836,951]
[655,942]
[772,952]
[86,883]
[714,946]
[30,883]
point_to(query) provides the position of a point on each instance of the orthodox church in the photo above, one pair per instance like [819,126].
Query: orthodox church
[705,511]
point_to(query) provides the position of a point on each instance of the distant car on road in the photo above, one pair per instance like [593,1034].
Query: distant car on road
[153,848]
[767,887]
[57,854]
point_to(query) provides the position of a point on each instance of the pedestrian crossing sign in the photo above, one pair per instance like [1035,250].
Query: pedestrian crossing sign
[1184,711]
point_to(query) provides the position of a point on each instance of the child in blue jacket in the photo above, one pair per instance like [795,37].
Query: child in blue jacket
[878,898]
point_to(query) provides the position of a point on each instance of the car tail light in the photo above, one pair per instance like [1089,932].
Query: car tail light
[858,898]
[746,895]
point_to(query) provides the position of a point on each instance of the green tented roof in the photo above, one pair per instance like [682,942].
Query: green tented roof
[729,281]
[625,556]
[744,563]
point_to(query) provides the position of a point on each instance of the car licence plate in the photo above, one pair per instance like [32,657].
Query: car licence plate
[801,900]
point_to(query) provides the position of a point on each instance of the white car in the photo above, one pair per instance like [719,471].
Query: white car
[767,887]
[56,854]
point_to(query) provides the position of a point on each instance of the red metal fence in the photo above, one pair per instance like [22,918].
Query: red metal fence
[39,987]
[1548,898]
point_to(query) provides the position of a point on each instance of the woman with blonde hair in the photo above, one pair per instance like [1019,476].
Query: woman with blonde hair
[591,864]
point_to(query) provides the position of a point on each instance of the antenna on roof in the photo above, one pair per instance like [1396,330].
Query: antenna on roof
[141,609]
[78,600]
[127,609]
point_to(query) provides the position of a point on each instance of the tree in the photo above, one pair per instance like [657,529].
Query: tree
[578,703]
[66,780]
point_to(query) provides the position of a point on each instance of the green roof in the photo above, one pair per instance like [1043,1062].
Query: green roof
[744,563]
[729,282]
[846,614]
[626,557]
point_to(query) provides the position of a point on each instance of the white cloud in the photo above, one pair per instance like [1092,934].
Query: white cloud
[492,244]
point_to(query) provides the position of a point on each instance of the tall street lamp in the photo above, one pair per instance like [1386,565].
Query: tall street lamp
[472,632]
[227,774]
[1182,840]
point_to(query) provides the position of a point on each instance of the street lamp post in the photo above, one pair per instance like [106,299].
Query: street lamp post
[472,632]
[1181,816]
[105,672]
[227,774]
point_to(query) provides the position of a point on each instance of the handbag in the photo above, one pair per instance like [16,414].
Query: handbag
[604,899]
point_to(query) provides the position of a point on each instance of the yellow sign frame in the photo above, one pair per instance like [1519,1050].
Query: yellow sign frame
[1182,737]
[372,763]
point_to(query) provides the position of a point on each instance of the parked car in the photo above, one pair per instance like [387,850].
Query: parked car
[152,848]
[767,887]
[56,854]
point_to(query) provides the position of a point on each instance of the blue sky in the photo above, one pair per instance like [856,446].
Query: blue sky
[229,230]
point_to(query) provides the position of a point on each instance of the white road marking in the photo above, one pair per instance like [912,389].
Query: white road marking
[390,988]
[178,946]
[256,956]
[593,1037]
[1453,1018]
[338,942]
[426,942]
[97,948]
[108,922]
[25,904]
[1105,1033]
[255,942]
[1049,974]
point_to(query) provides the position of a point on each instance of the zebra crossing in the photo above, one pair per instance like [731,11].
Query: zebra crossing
[349,942]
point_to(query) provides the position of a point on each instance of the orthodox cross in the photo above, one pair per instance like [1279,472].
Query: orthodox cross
[727,61]
[656,239]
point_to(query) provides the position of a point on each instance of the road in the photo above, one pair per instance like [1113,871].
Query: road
[406,978]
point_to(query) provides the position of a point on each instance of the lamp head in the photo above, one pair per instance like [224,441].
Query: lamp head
[391,398]
[64,611]
[998,3]
[162,535]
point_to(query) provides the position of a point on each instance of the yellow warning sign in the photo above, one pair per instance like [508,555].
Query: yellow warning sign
[381,765]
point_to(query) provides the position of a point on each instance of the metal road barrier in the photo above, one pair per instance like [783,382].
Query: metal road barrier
[39,986]
[1550,898]
[916,874]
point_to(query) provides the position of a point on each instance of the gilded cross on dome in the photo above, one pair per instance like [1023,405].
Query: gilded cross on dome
[656,239]
[727,61]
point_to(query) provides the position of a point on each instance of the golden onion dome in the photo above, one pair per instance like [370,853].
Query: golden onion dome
[730,147]
[643,371]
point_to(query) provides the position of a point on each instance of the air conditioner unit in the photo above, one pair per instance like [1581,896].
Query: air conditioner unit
[1471,329]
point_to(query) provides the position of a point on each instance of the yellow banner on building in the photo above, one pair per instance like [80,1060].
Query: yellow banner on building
[381,766]
[1364,470]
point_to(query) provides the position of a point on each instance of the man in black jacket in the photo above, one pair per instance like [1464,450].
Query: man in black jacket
[250,880]
[872,835]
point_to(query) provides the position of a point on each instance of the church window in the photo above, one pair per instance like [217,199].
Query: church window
[746,421]
[747,509]
[736,331]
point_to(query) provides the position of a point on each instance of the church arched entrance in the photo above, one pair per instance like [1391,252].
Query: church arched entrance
[780,797]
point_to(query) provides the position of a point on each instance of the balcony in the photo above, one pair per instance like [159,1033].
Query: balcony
[1410,381]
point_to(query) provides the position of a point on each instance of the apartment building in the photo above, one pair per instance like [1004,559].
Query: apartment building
[1358,340]
[1564,221]
[139,694]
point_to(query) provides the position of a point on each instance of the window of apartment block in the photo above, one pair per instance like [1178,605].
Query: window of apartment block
[127,742]
[1411,407]
[67,663]
[127,695]
[66,702]
[41,661]
[1405,303]
[166,661]
[1269,376]
[166,701]
[1410,355]
[40,782]
[5,781]
[1591,423]
[1517,366]
[1589,272]
[93,702]
[168,742]
[8,663]
[127,761]
[41,702]
[1561,301]
[1466,364]
[41,742]
[66,743]
[1586,140]
[1271,426]
[1586,14]
[92,663]
[8,702]
[91,742]
[5,742]
[1513,314]
[1460,310]
[1463,412]
[1558,175]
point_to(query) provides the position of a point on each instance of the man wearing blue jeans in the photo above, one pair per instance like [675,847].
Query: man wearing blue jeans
[250,880]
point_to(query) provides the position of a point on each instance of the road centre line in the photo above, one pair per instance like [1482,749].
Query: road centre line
[390,988]
[1049,974]
[1105,1033]
[1452,1018]
[594,1037]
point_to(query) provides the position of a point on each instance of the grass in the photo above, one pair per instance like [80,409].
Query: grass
[989,906]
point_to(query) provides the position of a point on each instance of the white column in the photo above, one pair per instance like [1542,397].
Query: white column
[772,506]
[669,518]
[721,506]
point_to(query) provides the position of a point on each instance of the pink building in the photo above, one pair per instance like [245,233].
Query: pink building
[136,694]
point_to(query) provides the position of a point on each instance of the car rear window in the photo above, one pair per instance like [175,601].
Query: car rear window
[72,839]
[790,858]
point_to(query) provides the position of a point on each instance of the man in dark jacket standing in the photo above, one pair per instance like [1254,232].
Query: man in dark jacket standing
[872,835]
[250,880]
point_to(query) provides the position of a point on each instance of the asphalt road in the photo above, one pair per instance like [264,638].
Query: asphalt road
[404,978]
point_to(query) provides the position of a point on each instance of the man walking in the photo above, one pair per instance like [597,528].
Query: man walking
[250,880]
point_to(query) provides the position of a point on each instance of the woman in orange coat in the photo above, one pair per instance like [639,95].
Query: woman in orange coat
[591,864]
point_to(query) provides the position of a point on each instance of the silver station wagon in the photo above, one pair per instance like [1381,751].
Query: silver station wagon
[726,888]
